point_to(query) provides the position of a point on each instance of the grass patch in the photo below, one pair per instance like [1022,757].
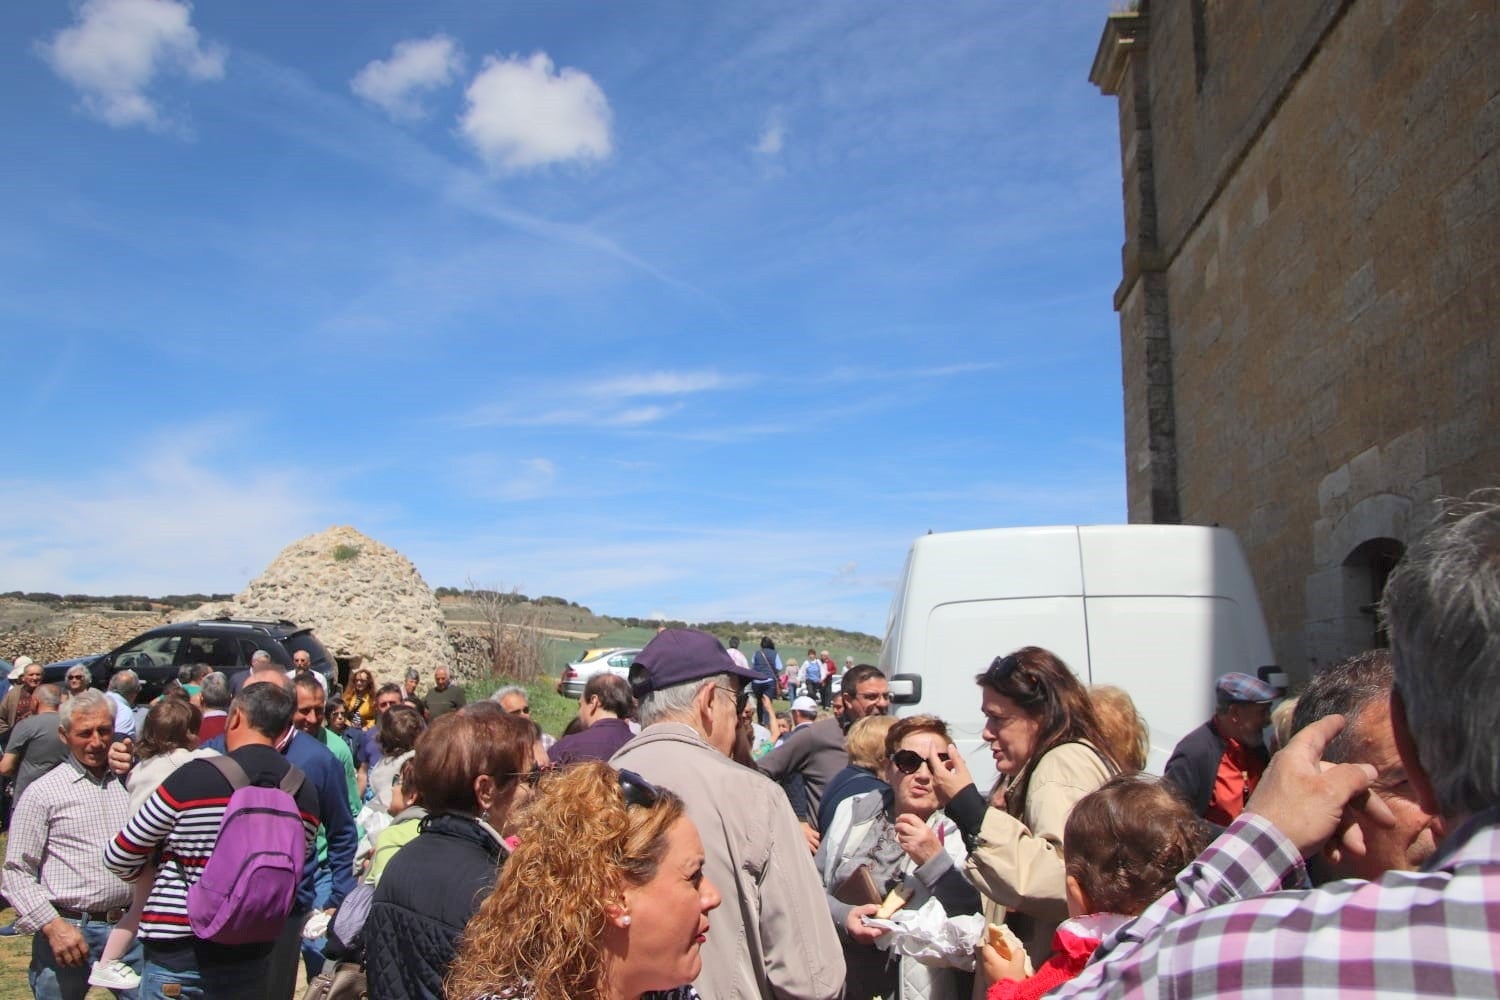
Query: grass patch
[343,553]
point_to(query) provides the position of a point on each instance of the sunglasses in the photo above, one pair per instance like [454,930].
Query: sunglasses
[532,777]
[909,761]
[637,791]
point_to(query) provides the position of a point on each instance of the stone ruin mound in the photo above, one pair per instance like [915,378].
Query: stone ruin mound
[364,600]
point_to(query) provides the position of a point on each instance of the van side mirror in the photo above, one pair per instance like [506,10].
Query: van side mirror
[906,689]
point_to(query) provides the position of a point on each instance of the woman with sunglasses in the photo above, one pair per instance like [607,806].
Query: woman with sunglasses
[474,770]
[1050,752]
[359,698]
[901,836]
[605,896]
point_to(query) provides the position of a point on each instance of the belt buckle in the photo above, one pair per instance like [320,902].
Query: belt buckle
[114,916]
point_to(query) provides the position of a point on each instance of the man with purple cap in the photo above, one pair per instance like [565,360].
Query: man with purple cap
[772,936]
[1218,765]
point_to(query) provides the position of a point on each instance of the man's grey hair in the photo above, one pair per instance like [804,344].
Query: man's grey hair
[84,703]
[49,695]
[259,657]
[80,670]
[676,702]
[1442,611]
[1345,689]
[126,684]
[413,674]
[510,689]
[215,692]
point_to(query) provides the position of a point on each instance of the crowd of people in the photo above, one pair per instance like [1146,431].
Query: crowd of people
[682,840]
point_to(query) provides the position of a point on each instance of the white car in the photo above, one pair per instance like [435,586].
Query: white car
[576,674]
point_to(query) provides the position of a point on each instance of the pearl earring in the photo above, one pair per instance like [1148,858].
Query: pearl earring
[625,920]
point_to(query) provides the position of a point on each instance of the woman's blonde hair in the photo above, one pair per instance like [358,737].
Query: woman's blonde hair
[541,932]
[1124,731]
[865,741]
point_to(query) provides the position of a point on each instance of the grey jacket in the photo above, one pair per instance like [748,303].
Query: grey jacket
[772,936]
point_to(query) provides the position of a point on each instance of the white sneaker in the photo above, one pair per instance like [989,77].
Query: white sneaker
[114,975]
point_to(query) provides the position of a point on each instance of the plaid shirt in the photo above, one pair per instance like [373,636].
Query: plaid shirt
[1226,931]
[55,854]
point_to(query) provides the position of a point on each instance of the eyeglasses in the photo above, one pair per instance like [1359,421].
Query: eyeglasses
[532,777]
[741,697]
[909,761]
[638,791]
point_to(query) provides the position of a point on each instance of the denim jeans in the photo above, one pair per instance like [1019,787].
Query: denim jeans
[158,983]
[50,981]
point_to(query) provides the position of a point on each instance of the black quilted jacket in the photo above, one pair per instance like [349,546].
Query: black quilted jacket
[426,895]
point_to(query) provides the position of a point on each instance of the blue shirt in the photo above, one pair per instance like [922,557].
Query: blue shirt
[326,774]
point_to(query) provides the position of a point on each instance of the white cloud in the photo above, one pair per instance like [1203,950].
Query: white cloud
[416,66]
[116,48]
[522,113]
[603,402]
[772,137]
[168,523]
[503,479]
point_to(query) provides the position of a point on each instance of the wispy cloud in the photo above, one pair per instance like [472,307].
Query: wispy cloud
[524,113]
[605,402]
[496,478]
[115,49]
[416,66]
[772,136]
[167,522]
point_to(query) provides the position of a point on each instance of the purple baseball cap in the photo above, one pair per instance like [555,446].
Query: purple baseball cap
[1238,687]
[679,656]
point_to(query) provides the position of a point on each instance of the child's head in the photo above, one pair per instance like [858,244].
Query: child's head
[172,724]
[1125,843]
[404,790]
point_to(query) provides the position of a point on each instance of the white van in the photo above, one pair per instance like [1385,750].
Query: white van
[1159,610]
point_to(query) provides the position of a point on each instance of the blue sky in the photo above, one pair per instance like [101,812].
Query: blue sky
[702,310]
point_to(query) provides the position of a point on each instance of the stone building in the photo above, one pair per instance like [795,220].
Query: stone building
[1310,299]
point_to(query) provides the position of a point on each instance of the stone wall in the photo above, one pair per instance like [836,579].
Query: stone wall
[95,633]
[1322,202]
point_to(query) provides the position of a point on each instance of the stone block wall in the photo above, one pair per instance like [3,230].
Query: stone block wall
[1327,201]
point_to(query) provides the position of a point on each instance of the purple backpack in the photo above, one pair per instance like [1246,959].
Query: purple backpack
[246,891]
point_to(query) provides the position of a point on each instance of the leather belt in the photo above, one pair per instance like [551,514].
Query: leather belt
[99,916]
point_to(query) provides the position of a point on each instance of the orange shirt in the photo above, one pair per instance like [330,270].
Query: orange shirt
[1239,772]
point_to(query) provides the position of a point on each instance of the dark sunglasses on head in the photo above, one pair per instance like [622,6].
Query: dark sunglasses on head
[637,791]
[908,761]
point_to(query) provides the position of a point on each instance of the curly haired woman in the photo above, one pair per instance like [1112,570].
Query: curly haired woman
[359,698]
[605,898]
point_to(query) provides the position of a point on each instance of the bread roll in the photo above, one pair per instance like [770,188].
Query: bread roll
[894,900]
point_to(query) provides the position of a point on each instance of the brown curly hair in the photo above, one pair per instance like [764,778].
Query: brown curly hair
[1126,841]
[540,933]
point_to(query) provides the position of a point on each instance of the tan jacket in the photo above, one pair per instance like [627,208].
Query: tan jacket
[772,936]
[1018,863]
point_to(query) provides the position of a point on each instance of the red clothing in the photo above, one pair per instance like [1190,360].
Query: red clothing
[212,727]
[1072,946]
[1239,772]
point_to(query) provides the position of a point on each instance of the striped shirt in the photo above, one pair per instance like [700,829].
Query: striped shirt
[183,817]
[1226,931]
[52,855]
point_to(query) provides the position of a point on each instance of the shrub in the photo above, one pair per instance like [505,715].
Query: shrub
[343,553]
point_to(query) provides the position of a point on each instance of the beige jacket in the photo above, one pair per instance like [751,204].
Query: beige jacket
[1018,863]
[772,936]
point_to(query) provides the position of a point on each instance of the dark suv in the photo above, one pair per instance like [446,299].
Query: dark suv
[226,644]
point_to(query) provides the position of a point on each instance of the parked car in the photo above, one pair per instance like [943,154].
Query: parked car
[226,644]
[576,674]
